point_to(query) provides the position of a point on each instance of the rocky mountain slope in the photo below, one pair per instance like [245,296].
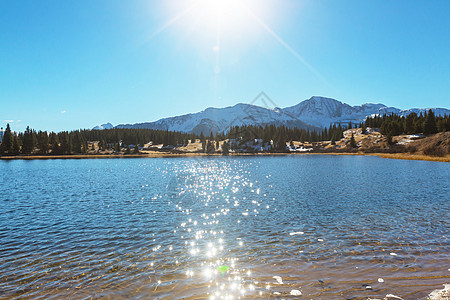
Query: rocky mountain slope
[321,112]
[313,113]
[221,119]
[104,126]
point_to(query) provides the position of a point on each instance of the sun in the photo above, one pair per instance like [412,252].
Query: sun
[235,24]
[220,7]
[205,19]
[223,13]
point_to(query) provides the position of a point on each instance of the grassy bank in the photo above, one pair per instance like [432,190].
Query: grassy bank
[413,157]
[405,156]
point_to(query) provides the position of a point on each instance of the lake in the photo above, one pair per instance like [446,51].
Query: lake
[328,227]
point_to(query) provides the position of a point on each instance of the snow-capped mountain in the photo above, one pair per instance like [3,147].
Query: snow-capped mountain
[104,126]
[221,119]
[392,110]
[314,113]
[321,112]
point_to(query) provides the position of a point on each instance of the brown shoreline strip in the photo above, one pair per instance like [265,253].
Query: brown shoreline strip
[169,155]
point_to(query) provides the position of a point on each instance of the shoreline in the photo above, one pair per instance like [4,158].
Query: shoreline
[403,156]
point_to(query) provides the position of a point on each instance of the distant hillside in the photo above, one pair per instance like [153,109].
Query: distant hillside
[314,113]
[321,112]
[104,126]
[221,119]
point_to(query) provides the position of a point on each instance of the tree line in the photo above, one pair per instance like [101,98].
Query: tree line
[283,134]
[273,135]
[76,141]
[392,125]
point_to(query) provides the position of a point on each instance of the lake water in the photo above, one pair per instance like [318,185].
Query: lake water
[330,227]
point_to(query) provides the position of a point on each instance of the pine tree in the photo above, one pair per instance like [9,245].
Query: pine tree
[409,123]
[85,147]
[202,137]
[210,147]
[429,126]
[16,146]
[70,144]
[77,143]
[128,150]
[389,139]
[64,148]
[352,141]
[28,141]
[136,149]
[53,141]
[7,141]
[203,145]
[225,149]
[418,126]
[43,142]
[363,128]
[56,149]
[443,124]
[281,142]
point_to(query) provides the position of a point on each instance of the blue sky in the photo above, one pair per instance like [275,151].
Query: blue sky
[74,64]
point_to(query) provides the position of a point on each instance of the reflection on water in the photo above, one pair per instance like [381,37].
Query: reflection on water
[318,227]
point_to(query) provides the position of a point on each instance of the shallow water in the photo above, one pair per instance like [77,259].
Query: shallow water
[329,226]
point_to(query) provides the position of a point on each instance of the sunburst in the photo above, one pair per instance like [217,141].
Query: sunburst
[232,16]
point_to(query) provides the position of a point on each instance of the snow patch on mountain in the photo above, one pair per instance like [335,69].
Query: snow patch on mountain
[222,119]
[392,110]
[104,126]
[314,113]
[321,111]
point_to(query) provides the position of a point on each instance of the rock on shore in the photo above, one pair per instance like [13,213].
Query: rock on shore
[443,294]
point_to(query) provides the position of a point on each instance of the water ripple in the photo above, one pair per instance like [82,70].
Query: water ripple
[223,228]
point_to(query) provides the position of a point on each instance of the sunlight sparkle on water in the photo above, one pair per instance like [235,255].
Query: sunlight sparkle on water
[201,192]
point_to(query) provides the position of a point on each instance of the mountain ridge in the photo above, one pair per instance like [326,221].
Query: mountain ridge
[314,113]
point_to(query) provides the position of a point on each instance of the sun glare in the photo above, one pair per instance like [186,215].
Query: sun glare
[220,7]
[225,15]
[212,23]
[228,14]
[203,20]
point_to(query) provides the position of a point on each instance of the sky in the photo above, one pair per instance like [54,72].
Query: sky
[66,65]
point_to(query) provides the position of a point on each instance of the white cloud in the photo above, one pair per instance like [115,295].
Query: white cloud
[63,111]
[9,121]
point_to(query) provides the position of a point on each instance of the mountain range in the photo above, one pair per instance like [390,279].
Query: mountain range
[314,113]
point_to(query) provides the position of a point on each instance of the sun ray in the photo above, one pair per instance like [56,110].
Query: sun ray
[286,46]
[170,22]
[214,10]
[217,64]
